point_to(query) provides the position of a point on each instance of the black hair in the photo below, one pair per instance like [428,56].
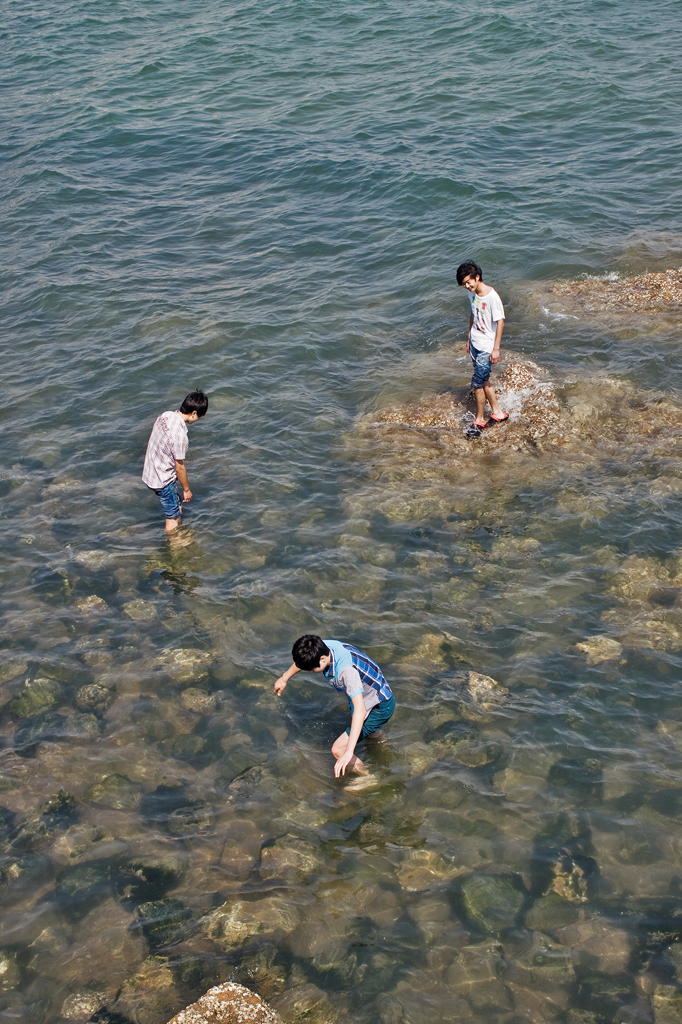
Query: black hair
[469,269]
[307,652]
[195,402]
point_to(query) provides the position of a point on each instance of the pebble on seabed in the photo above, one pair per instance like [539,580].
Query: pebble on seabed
[228,1003]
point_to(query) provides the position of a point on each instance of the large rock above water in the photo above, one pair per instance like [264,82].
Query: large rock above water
[228,1004]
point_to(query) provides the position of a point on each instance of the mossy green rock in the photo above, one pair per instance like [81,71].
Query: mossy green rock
[161,920]
[35,696]
[116,792]
[551,912]
[493,902]
[57,813]
[189,746]
[149,879]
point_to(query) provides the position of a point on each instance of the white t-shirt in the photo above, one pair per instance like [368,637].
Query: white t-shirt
[486,311]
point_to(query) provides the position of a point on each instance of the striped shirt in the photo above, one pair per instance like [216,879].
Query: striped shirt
[168,441]
[352,672]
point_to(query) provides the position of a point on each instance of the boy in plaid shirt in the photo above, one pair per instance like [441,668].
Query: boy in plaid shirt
[164,463]
[352,673]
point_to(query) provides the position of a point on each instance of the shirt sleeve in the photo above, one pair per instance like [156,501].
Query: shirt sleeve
[496,307]
[350,677]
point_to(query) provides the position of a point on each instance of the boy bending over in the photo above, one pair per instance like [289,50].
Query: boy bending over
[486,324]
[351,672]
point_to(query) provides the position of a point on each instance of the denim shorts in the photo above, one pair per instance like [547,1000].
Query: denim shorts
[481,361]
[169,500]
[377,717]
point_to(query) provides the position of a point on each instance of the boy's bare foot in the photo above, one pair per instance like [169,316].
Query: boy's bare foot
[180,538]
[360,782]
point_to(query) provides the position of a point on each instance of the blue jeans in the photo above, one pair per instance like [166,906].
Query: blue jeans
[169,500]
[481,361]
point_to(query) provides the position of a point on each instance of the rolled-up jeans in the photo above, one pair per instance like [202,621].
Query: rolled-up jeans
[481,361]
[168,496]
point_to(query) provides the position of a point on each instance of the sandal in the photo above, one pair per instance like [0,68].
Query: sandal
[475,429]
[497,419]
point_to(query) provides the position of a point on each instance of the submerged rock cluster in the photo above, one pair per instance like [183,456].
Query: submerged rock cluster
[653,292]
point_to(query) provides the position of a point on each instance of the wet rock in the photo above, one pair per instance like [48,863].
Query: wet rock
[289,858]
[256,782]
[600,648]
[583,778]
[475,976]
[140,611]
[425,869]
[80,1006]
[10,974]
[92,605]
[621,296]
[116,792]
[35,696]
[602,946]
[485,690]
[200,701]
[517,786]
[241,852]
[23,872]
[95,698]
[149,994]
[109,947]
[80,888]
[57,813]
[430,652]
[148,878]
[306,1003]
[188,746]
[162,920]
[94,559]
[228,1003]
[493,902]
[194,819]
[11,666]
[550,913]
[667,1004]
[184,664]
[85,842]
[569,878]
[235,922]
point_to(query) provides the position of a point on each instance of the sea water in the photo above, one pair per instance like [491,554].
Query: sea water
[269,202]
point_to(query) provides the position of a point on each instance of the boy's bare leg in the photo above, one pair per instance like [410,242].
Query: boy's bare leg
[480,406]
[172,525]
[339,748]
[489,393]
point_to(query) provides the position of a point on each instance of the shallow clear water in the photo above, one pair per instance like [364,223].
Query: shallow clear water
[270,202]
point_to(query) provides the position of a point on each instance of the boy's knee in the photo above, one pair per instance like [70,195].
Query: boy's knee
[339,746]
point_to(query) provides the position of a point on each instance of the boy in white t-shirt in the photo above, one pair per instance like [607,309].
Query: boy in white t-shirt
[486,324]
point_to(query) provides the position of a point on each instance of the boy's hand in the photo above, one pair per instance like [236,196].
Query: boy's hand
[495,355]
[279,685]
[186,494]
[468,340]
[342,763]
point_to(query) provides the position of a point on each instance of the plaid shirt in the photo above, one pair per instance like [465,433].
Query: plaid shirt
[168,441]
[371,676]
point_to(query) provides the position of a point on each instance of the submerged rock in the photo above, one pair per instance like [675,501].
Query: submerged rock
[162,920]
[237,921]
[10,974]
[116,792]
[149,993]
[646,293]
[550,913]
[493,902]
[35,696]
[57,813]
[228,1003]
[184,664]
[200,701]
[306,1003]
[600,648]
[485,690]
[140,611]
[289,858]
[80,1006]
[94,697]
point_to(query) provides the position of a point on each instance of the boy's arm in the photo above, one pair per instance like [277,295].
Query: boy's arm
[495,354]
[471,324]
[181,474]
[284,679]
[356,724]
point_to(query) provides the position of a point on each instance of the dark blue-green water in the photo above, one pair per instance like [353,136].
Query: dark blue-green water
[269,201]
